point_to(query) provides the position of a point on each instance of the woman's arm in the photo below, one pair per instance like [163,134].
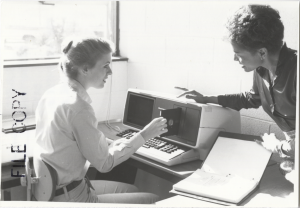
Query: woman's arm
[91,142]
[240,101]
[198,97]
[94,147]
[250,99]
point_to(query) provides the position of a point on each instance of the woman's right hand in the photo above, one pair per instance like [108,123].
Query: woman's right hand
[192,94]
[155,128]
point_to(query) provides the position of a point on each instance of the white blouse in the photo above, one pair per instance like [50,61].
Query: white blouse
[67,137]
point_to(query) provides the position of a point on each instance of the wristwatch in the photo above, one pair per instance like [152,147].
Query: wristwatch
[286,166]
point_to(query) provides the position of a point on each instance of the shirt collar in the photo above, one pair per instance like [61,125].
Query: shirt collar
[283,55]
[261,71]
[81,92]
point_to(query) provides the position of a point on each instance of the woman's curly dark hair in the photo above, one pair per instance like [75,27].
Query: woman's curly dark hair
[256,26]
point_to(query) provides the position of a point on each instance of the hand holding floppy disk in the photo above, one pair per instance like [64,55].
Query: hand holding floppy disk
[173,120]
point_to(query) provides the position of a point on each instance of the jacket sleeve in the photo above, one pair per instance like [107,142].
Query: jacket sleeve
[248,99]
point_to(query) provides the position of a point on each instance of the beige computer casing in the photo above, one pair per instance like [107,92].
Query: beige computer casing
[203,122]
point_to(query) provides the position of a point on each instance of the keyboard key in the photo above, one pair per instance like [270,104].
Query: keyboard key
[125,132]
[155,153]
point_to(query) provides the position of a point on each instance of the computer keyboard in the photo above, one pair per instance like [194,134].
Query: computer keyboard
[162,150]
[127,133]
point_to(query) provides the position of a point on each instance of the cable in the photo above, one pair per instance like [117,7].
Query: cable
[115,128]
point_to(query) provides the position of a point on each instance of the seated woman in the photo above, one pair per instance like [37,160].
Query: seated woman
[67,137]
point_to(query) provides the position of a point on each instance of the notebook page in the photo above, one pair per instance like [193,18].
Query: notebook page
[244,158]
[231,188]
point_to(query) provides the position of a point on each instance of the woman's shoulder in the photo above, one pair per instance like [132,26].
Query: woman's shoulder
[291,61]
[292,53]
[66,97]
[59,92]
[77,104]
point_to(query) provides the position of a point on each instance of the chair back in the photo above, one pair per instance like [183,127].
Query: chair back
[44,190]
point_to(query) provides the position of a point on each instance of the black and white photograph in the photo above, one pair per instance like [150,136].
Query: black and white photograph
[160,103]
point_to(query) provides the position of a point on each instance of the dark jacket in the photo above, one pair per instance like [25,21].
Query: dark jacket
[279,100]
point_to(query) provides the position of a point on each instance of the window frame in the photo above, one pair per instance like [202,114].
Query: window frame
[45,61]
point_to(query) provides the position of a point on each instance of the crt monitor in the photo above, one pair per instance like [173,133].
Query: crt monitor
[138,110]
[141,108]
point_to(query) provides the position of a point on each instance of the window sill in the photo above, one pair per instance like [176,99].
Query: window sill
[44,62]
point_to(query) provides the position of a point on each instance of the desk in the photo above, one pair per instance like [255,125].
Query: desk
[273,186]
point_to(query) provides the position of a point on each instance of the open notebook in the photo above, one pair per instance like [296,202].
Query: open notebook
[231,172]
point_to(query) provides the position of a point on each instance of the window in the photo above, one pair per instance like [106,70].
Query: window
[35,29]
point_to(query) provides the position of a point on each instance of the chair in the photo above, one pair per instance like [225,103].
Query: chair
[40,181]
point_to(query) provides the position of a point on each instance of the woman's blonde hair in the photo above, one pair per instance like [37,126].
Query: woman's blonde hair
[78,52]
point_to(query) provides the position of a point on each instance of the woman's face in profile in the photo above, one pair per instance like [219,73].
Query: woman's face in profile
[99,73]
[247,59]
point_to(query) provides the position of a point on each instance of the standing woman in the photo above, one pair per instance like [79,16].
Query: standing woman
[67,137]
[256,36]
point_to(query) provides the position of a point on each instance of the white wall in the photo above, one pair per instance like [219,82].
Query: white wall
[35,80]
[179,43]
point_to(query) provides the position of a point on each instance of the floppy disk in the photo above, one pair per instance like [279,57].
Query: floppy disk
[173,120]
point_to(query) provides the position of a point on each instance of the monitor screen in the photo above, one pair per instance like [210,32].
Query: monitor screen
[141,108]
[138,110]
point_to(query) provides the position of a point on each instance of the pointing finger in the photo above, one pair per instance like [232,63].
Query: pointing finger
[190,96]
[183,94]
[181,88]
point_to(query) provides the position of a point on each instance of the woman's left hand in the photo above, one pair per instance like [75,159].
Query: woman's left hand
[270,142]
